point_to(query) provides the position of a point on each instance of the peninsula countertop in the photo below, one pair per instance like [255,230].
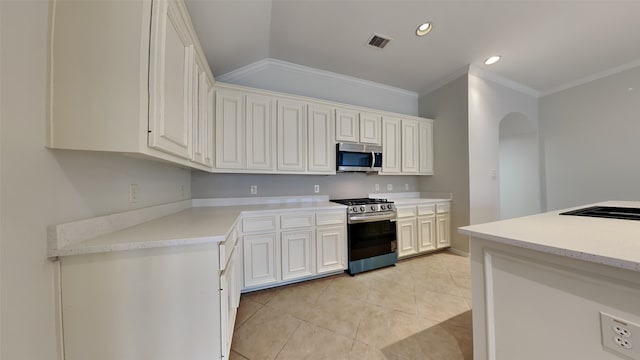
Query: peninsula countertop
[194,225]
[605,241]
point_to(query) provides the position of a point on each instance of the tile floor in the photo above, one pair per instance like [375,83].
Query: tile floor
[419,309]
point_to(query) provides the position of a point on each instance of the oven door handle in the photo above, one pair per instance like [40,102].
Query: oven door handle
[371,218]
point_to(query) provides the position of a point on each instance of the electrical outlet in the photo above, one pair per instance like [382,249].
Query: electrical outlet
[377,187]
[316,188]
[389,187]
[254,190]
[618,336]
[133,193]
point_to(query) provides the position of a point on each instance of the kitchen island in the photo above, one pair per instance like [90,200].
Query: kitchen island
[541,283]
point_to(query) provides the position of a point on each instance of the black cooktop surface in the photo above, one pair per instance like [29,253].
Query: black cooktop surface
[611,212]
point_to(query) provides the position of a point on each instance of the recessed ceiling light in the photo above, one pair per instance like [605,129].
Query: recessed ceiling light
[424,29]
[492,60]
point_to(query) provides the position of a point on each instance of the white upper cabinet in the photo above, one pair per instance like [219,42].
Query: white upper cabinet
[409,146]
[260,132]
[202,115]
[321,143]
[291,128]
[347,125]
[391,145]
[359,127]
[425,148]
[128,88]
[230,130]
[370,128]
[170,81]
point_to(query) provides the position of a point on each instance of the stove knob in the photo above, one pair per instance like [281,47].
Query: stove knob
[354,209]
[373,208]
[389,207]
[362,208]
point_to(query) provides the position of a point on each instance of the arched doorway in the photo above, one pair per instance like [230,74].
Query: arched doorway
[519,167]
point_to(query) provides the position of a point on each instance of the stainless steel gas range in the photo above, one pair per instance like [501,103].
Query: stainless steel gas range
[371,227]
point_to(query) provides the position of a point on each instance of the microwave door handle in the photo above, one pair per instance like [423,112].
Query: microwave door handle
[373,160]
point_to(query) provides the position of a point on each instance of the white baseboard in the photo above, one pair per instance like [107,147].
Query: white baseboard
[458,252]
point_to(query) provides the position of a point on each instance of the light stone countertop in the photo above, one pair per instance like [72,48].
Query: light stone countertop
[195,225]
[407,202]
[605,241]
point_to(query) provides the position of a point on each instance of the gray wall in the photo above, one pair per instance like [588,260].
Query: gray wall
[591,141]
[340,186]
[40,187]
[290,78]
[448,106]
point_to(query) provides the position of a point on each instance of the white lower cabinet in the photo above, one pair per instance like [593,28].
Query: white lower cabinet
[297,254]
[330,249]
[426,233]
[423,228]
[303,245]
[260,263]
[407,235]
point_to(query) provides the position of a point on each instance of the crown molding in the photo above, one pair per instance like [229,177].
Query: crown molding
[235,75]
[489,75]
[593,77]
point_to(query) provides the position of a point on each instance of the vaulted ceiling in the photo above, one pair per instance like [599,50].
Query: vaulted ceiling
[544,45]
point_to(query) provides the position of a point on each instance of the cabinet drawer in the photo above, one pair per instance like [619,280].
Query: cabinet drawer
[406,211]
[426,209]
[259,223]
[296,220]
[226,248]
[442,208]
[331,218]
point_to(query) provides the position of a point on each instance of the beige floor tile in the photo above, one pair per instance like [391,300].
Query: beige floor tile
[297,300]
[235,356]
[261,296]
[393,297]
[312,342]
[353,288]
[381,327]
[339,314]
[433,290]
[440,307]
[246,310]
[362,351]
[265,334]
[442,286]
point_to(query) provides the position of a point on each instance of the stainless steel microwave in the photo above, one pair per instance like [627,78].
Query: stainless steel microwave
[358,157]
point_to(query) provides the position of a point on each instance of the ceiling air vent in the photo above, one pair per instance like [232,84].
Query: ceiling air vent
[379,41]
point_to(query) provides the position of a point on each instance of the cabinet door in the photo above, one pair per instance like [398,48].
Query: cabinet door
[228,304]
[347,125]
[261,132]
[202,115]
[407,237]
[291,136]
[260,263]
[409,146]
[425,146]
[370,128]
[391,140]
[426,233]
[321,149]
[170,82]
[297,254]
[230,130]
[443,235]
[331,246]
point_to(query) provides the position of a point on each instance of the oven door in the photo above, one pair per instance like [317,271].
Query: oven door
[371,238]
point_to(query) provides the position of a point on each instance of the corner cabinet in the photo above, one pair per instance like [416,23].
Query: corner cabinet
[131,88]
